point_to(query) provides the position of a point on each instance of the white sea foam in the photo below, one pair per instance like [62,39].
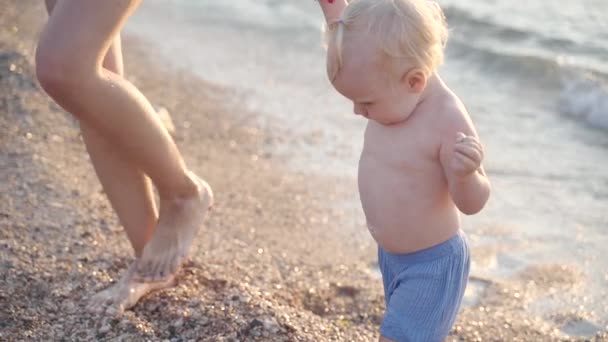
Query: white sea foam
[586,98]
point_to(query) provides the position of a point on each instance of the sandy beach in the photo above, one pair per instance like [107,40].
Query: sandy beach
[270,265]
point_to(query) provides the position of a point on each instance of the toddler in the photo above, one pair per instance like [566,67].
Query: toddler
[421,162]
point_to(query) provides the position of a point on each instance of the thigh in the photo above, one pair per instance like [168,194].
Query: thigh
[84,30]
[425,300]
[113,59]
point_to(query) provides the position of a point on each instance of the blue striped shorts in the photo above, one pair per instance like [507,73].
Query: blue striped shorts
[423,290]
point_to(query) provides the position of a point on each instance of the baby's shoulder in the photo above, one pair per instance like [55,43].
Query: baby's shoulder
[447,107]
[452,115]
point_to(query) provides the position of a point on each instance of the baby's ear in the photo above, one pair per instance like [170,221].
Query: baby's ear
[414,80]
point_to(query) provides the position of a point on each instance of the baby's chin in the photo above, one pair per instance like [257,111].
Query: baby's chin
[389,121]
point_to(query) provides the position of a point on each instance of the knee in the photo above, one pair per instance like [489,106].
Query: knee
[58,72]
[52,71]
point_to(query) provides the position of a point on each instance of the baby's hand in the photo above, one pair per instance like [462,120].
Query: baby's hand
[467,155]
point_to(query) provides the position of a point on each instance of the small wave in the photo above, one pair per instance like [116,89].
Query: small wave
[464,23]
[536,67]
[582,91]
[586,98]
[529,53]
[461,20]
[251,14]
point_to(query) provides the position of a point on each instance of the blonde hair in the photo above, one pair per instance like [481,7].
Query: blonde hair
[408,31]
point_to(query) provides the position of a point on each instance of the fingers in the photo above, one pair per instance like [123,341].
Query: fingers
[472,150]
[460,137]
[470,147]
[463,164]
[468,154]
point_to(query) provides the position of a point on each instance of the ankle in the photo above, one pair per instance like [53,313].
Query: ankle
[186,188]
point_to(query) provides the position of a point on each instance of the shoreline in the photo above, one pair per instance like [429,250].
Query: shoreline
[248,280]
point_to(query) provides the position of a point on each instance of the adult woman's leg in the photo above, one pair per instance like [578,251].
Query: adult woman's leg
[127,187]
[130,193]
[69,64]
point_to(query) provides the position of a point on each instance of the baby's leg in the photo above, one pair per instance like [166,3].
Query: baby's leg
[424,296]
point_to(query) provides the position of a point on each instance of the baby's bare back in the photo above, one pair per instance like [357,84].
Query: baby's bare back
[403,189]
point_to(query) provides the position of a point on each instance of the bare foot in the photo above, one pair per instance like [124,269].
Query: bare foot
[179,221]
[124,294]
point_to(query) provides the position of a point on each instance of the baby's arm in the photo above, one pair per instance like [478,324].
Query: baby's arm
[332,9]
[461,155]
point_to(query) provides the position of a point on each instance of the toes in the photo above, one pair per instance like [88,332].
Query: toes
[93,307]
[153,270]
[128,304]
[168,268]
[160,270]
[140,268]
[143,271]
[98,299]
[99,303]
[139,273]
[174,264]
[114,310]
[145,263]
[93,303]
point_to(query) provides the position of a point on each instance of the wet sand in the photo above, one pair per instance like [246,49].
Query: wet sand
[272,264]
